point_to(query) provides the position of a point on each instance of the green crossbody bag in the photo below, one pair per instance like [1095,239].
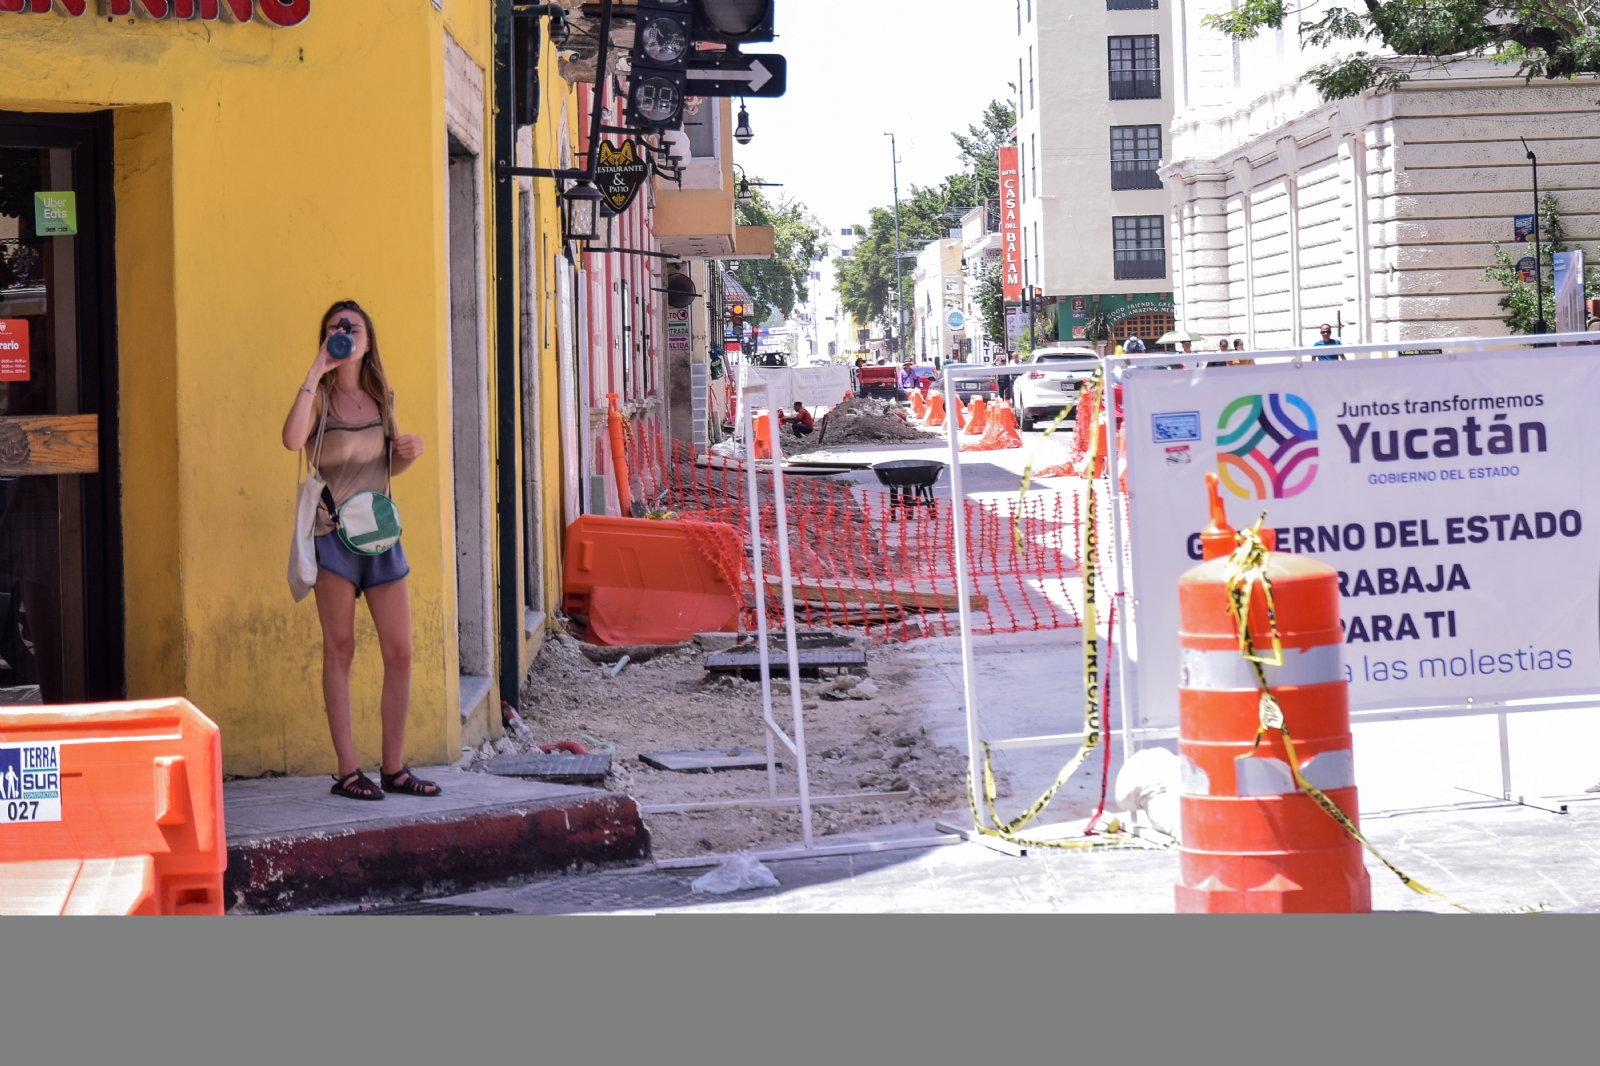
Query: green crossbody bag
[369,522]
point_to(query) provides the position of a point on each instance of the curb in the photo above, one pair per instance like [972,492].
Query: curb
[431,856]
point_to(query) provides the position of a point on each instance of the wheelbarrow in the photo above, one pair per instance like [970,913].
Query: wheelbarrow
[910,482]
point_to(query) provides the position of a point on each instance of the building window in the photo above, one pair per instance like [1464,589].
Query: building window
[1033,101]
[1146,327]
[1038,275]
[1135,67]
[1022,94]
[847,231]
[1024,168]
[1135,155]
[1132,5]
[1138,248]
[1035,164]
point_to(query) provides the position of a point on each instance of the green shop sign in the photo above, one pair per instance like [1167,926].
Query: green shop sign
[55,214]
[1116,307]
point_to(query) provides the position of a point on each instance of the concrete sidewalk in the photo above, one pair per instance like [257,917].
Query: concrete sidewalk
[1487,859]
[292,845]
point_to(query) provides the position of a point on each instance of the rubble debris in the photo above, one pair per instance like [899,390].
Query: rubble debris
[857,420]
[638,653]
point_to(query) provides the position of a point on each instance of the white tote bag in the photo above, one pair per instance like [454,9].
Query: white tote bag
[303,548]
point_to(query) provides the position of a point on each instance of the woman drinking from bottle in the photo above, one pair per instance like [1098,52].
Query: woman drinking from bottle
[344,418]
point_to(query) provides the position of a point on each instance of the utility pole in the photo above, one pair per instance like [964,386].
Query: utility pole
[899,284]
[1539,325]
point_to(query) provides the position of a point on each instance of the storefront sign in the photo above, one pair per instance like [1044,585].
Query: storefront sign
[620,171]
[15,362]
[677,329]
[274,12]
[55,214]
[1521,228]
[1010,227]
[1448,492]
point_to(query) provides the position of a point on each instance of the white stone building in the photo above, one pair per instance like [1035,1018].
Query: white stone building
[1095,83]
[938,288]
[1378,214]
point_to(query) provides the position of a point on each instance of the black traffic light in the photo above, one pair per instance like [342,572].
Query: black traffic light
[735,22]
[663,38]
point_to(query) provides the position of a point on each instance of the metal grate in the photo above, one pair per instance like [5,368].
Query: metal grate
[415,907]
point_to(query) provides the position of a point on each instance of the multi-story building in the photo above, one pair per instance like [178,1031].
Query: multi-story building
[938,294]
[1094,98]
[980,253]
[1376,215]
[229,186]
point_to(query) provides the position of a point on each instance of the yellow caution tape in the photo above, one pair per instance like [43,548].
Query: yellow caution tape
[1245,567]
[1007,830]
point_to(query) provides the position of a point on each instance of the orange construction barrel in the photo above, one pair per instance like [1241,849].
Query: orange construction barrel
[111,808]
[1252,842]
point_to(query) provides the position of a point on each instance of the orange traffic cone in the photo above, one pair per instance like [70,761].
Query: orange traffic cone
[935,411]
[978,418]
[1000,434]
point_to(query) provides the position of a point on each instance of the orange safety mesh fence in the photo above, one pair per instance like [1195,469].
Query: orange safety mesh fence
[858,560]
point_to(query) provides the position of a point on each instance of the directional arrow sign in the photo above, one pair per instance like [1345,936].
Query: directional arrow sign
[737,74]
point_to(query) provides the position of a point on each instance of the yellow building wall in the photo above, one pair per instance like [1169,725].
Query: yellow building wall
[262,173]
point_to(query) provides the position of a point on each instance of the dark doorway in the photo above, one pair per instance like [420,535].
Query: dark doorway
[61,600]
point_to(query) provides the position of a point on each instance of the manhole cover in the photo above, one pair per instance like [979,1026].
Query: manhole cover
[561,767]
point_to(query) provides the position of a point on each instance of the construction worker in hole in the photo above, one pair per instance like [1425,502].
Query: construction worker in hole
[801,419]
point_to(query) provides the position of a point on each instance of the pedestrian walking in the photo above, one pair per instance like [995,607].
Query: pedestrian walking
[344,419]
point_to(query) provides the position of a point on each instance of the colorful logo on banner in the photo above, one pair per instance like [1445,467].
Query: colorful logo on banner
[1262,447]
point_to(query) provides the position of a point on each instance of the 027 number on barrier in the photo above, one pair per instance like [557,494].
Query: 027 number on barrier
[30,782]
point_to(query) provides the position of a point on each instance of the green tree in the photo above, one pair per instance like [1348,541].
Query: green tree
[992,304]
[1521,301]
[777,284]
[1546,38]
[867,278]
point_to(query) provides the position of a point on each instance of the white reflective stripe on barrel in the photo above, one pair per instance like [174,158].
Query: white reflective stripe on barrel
[1231,672]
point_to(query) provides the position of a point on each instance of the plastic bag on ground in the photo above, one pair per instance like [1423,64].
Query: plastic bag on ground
[1151,781]
[741,873]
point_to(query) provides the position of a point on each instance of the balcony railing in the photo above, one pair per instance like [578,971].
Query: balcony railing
[1132,5]
[1135,174]
[1140,264]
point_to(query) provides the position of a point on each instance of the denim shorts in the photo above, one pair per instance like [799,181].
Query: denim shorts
[362,571]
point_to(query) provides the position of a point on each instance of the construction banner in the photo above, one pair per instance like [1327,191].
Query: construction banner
[1451,492]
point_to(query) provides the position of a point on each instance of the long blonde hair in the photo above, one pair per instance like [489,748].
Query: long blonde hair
[374,382]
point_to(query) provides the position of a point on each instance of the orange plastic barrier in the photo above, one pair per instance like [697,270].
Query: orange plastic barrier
[936,411]
[1001,432]
[640,581]
[139,828]
[961,415]
[918,408]
[1252,841]
[978,417]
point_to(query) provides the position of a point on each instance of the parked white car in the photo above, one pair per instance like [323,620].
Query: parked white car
[1043,393]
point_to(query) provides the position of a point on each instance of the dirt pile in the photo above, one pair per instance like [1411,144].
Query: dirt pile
[858,420]
[671,703]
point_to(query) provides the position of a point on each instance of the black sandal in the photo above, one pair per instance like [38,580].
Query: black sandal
[357,786]
[403,780]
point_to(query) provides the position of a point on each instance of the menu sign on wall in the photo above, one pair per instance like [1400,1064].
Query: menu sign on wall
[15,362]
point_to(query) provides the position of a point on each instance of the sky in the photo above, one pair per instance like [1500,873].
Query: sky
[921,69]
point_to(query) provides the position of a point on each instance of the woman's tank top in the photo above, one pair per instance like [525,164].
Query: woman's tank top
[354,459]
